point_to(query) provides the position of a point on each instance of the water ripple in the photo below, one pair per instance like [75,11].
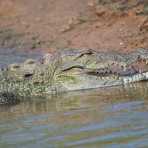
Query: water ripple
[92,124]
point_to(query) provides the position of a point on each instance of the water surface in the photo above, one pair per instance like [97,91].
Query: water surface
[9,56]
[111,117]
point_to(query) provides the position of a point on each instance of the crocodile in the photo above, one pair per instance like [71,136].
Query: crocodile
[70,70]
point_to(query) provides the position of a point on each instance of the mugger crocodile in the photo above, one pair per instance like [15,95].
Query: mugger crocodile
[70,70]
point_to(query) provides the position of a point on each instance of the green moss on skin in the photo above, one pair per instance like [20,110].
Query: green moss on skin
[67,78]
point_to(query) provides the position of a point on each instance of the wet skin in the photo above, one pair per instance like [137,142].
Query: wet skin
[71,70]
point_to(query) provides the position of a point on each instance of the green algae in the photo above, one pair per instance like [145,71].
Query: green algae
[67,78]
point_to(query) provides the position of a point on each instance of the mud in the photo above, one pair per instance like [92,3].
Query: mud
[53,24]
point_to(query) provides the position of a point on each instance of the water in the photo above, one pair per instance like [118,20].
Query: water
[104,118]
[8,56]
[109,118]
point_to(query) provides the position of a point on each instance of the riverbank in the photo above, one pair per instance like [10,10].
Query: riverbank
[53,24]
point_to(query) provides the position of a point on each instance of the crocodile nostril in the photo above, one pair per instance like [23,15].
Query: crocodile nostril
[28,75]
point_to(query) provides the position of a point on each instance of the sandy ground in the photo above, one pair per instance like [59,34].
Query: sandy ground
[57,24]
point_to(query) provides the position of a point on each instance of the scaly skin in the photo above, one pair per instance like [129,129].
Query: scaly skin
[69,70]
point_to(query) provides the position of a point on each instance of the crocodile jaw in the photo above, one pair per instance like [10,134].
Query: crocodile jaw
[135,78]
[85,82]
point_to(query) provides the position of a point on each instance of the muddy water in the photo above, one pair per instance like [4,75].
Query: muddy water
[111,117]
[8,56]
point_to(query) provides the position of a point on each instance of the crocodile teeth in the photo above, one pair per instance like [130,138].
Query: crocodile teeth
[115,77]
[101,78]
[135,78]
[107,78]
[146,75]
[126,80]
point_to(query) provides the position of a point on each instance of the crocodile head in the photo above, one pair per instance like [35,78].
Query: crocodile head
[90,69]
[22,70]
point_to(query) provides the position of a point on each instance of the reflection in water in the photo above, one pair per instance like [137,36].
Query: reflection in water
[107,117]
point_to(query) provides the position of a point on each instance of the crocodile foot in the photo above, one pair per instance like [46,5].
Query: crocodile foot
[9,98]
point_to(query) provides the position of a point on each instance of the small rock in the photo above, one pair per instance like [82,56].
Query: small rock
[65,28]
[144,24]
[100,10]
[91,4]
[121,43]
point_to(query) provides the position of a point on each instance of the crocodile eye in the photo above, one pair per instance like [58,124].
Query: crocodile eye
[14,66]
[30,61]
